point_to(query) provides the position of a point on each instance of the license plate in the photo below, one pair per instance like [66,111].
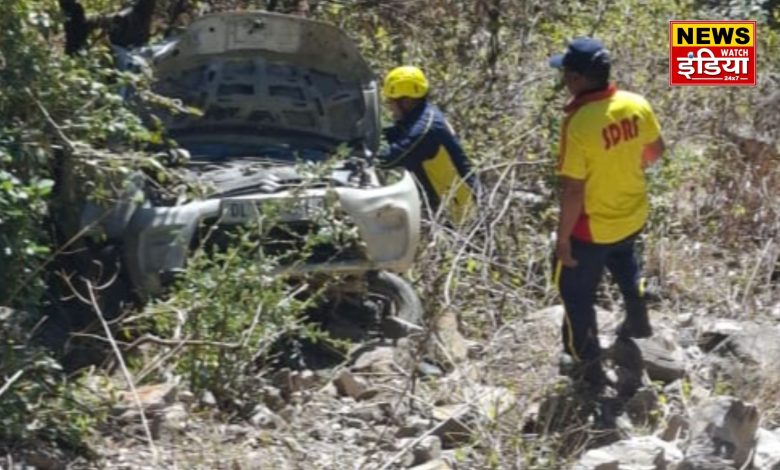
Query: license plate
[291,210]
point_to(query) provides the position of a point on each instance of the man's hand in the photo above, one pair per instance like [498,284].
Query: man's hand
[652,152]
[572,201]
[563,252]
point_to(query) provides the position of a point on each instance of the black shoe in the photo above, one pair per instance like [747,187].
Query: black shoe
[637,322]
[588,376]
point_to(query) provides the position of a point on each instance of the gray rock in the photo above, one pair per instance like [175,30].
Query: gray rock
[663,359]
[174,418]
[272,397]
[264,418]
[646,452]
[767,456]
[429,448]
[454,428]
[598,459]
[724,428]
[371,413]
[642,408]
[208,399]
[438,464]
[290,382]
[349,385]
[186,397]
[380,360]
[552,314]
[413,427]
[427,369]
[685,320]
[714,331]
[676,428]
[758,345]
[484,404]
[407,459]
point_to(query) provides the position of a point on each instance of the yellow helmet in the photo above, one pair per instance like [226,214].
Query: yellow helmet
[405,82]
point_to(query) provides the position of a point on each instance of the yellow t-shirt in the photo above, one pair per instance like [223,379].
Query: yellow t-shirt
[602,140]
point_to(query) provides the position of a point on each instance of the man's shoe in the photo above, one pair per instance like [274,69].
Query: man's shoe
[629,329]
[588,376]
[637,323]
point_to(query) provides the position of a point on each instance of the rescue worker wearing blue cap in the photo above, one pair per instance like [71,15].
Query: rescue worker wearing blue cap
[608,138]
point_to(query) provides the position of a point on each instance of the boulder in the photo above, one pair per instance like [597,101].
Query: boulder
[598,459]
[429,448]
[714,331]
[378,360]
[455,422]
[413,427]
[723,429]
[483,404]
[552,314]
[264,418]
[646,452]
[758,345]
[290,382]
[767,455]
[437,464]
[664,361]
[676,428]
[371,413]
[349,385]
[172,419]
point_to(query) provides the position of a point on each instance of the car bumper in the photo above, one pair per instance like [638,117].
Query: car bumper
[158,239]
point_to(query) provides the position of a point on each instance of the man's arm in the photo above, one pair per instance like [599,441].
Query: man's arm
[404,147]
[572,203]
[652,152]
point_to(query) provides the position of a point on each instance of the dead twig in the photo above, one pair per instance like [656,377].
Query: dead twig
[128,377]
[7,385]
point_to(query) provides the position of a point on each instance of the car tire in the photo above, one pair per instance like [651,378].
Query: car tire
[403,299]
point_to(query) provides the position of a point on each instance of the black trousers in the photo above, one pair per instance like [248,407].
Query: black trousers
[577,287]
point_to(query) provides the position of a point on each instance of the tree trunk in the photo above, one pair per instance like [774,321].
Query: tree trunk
[131,27]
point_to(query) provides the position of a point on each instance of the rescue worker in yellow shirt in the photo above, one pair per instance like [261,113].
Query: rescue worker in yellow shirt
[608,138]
[423,142]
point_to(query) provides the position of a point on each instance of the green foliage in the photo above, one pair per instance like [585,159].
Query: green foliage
[56,111]
[22,207]
[58,114]
[40,406]
[230,309]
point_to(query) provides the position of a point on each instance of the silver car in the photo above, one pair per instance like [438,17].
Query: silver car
[280,96]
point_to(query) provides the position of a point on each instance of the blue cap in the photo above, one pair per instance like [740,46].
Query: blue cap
[582,55]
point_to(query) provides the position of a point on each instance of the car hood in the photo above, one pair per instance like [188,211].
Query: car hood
[259,75]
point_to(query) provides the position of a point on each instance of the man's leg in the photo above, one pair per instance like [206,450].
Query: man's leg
[577,286]
[622,262]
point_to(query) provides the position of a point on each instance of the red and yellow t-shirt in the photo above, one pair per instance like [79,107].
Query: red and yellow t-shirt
[602,141]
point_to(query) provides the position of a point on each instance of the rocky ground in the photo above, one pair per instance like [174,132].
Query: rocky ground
[444,402]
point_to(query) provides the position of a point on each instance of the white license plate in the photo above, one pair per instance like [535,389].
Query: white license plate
[290,210]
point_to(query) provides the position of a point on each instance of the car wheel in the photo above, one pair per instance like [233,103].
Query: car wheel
[399,298]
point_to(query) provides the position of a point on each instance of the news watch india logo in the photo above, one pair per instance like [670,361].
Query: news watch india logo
[713,53]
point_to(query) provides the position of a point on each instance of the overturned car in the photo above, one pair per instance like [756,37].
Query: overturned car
[289,125]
